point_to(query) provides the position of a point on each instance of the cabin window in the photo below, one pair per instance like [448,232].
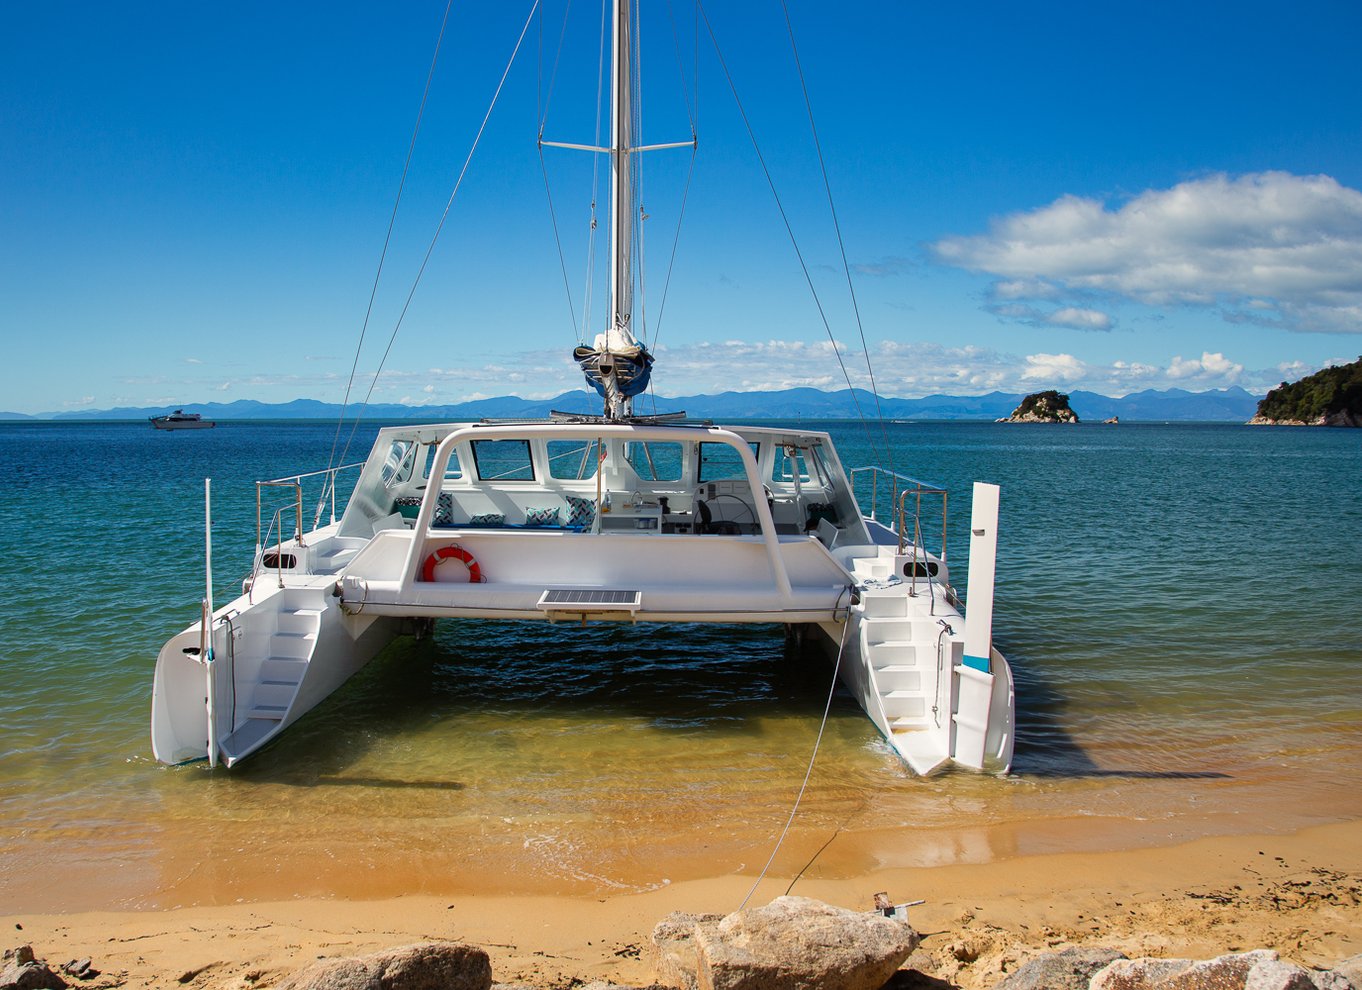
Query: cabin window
[398,465]
[790,462]
[655,461]
[503,460]
[719,460]
[452,469]
[573,459]
[821,466]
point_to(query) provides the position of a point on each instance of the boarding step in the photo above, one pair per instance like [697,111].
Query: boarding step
[906,724]
[283,670]
[274,694]
[299,620]
[872,568]
[891,653]
[898,677]
[885,606]
[903,704]
[292,644]
[273,713]
[888,630]
[922,751]
[247,735]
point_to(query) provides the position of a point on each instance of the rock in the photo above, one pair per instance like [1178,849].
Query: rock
[795,943]
[81,969]
[1043,407]
[24,972]
[1273,974]
[425,966]
[1256,970]
[1330,980]
[1071,969]
[1351,970]
[674,959]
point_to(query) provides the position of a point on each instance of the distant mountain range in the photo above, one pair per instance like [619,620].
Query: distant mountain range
[1230,405]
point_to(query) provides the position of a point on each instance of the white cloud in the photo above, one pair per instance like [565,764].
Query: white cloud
[191,360]
[1069,317]
[1213,367]
[1266,248]
[224,386]
[1080,319]
[1024,288]
[1054,368]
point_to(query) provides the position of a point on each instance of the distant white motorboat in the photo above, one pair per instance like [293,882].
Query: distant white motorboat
[608,518]
[181,420]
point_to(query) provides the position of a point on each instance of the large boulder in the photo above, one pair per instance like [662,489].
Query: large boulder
[1351,970]
[1071,969]
[21,971]
[1256,970]
[425,966]
[674,959]
[793,943]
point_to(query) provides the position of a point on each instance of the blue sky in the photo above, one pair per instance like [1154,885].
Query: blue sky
[193,199]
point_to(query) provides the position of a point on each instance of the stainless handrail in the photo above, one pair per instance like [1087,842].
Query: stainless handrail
[295,481]
[898,502]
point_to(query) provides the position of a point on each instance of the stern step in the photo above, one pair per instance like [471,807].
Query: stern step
[270,713]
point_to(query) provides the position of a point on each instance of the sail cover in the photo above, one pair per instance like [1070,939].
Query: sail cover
[623,370]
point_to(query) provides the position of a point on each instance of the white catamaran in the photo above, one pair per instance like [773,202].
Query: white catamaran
[617,518]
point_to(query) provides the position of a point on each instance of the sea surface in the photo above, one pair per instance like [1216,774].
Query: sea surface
[1179,604]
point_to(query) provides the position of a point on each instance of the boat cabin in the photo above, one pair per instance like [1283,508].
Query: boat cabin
[679,522]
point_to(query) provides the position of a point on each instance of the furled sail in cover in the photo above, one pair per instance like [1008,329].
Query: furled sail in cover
[618,368]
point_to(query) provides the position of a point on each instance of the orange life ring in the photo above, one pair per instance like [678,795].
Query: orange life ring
[444,553]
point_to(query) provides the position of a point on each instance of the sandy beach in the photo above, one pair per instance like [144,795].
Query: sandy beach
[1300,894]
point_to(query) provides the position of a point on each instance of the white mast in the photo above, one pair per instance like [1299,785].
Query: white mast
[619,335]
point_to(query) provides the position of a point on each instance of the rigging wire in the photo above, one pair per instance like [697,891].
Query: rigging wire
[430,249]
[832,209]
[780,206]
[827,707]
[636,176]
[545,101]
[671,264]
[383,255]
[595,186]
[693,115]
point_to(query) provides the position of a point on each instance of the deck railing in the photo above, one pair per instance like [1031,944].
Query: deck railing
[295,481]
[897,489]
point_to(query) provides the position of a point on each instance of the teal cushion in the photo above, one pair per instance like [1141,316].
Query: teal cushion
[541,517]
[444,509]
[581,511]
[488,519]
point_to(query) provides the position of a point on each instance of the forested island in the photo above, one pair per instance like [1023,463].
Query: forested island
[1329,397]
[1043,407]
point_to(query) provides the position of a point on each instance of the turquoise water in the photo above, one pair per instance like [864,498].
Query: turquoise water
[1178,604]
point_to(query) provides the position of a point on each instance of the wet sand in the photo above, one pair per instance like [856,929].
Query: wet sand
[1300,894]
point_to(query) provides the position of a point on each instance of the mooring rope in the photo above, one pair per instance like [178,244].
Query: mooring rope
[430,249]
[827,707]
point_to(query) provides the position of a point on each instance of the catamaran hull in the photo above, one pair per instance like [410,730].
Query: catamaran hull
[275,656]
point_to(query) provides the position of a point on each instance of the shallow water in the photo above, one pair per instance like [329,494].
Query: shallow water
[1177,602]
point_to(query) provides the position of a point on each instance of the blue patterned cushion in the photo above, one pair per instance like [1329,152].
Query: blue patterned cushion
[488,519]
[581,511]
[444,509]
[541,517]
